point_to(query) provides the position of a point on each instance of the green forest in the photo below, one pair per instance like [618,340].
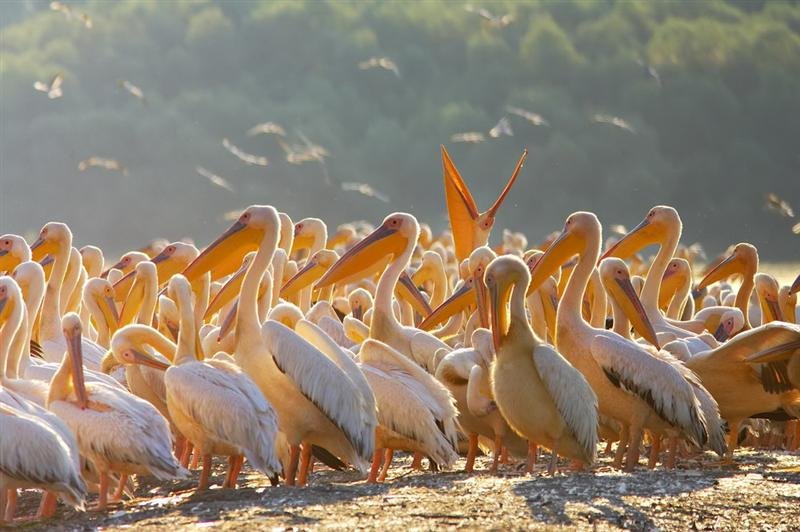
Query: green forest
[690,103]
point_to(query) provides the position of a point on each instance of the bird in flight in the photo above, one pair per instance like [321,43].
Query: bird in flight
[365,189]
[67,11]
[534,118]
[214,178]
[247,158]
[133,90]
[101,162]
[52,89]
[779,205]
[496,21]
[266,128]
[472,137]
[380,62]
[613,121]
[503,127]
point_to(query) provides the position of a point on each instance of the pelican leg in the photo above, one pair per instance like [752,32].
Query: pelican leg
[186,452]
[48,505]
[11,505]
[609,445]
[634,442]
[621,444]
[229,474]
[472,451]
[551,469]
[195,459]
[533,452]
[102,501]
[123,479]
[294,458]
[504,455]
[305,460]
[416,463]
[655,449]
[387,462]
[237,468]
[733,439]
[672,453]
[205,476]
[377,459]
[498,445]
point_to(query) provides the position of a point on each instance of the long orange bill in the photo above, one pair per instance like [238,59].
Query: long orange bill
[147,360]
[480,300]
[638,316]
[721,271]
[499,201]
[75,350]
[409,292]
[371,249]
[625,246]
[458,301]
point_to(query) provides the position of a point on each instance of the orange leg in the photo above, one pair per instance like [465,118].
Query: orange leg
[655,449]
[504,455]
[195,459]
[387,462]
[103,500]
[621,445]
[11,505]
[377,458]
[205,476]
[634,442]
[416,463]
[291,470]
[551,469]
[498,445]
[533,451]
[305,460]
[672,453]
[48,505]
[237,468]
[472,451]
[229,474]
[123,479]
[186,453]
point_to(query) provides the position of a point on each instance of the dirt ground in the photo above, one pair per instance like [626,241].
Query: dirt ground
[755,494]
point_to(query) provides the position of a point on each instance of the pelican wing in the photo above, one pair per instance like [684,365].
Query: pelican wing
[423,348]
[322,382]
[335,330]
[657,380]
[572,394]
[461,207]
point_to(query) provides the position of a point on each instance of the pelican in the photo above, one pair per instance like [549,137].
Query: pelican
[631,383]
[13,251]
[126,263]
[742,260]
[116,431]
[317,404]
[470,227]
[543,397]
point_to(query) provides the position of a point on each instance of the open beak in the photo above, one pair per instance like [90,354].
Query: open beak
[492,212]
[225,294]
[74,348]
[458,301]
[730,266]
[307,275]
[371,249]
[408,291]
[632,306]
[627,246]
[146,360]
[461,208]
[775,353]
[224,255]
[559,252]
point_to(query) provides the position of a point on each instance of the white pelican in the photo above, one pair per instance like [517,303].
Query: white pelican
[13,251]
[317,404]
[116,431]
[542,396]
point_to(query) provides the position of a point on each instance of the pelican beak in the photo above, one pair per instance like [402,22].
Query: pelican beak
[459,300]
[371,249]
[461,208]
[480,299]
[225,294]
[640,236]
[492,212]
[117,266]
[795,286]
[730,266]
[300,242]
[75,350]
[632,307]
[408,291]
[229,321]
[721,333]
[500,321]
[3,306]
[147,360]
[7,261]
[775,310]
[669,286]
[40,248]
[109,309]
[124,285]
[47,260]
[131,303]
[560,251]
[775,353]
[304,277]
[224,255]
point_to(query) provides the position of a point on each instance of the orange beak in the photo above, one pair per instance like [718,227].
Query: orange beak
[458,301]
[730,266]
[146,360]
[560,251]
[408,291]
[224,255]
[637,238]
[625,294]
[75,350]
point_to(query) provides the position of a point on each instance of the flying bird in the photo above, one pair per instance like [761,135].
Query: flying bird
[649,70]
[613,121]
[534,118]
[365,189]
[133,90]
[618,229]
[796,229]
[52,89]
[503,127]
[101,162]
[266,128]
[247,158]
[472,137]
[67,11]
[779,205]
[380,62]
[496,21]
[214,178]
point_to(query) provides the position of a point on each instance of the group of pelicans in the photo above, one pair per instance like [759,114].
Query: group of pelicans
[284,345]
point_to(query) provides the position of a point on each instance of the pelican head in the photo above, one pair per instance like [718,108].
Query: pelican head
[126,263]
[788,302]
[501,276]
[360,301]
[730,323]
[678,273]
[129,346]
[257,225]
[578,228]
[767,289]
[308,232]
[659,219]
[13,251]
[72,329]
[314,268]
[53,237]
[742,260]
[99,293]
[287,314]
[616,279]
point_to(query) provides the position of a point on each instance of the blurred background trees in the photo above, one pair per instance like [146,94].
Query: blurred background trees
[710,91]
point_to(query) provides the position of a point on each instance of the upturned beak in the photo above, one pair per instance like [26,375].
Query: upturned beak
[408,291]
[632,306]
[461,299]
[492,212]
[730,266]
[307,275]
[560,251]
[224,255]
[371,249]
[75,350]
[775,353]
[228,291]
[147,360]
[627,246]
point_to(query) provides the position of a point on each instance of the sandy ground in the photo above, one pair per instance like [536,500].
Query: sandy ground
[754,494]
